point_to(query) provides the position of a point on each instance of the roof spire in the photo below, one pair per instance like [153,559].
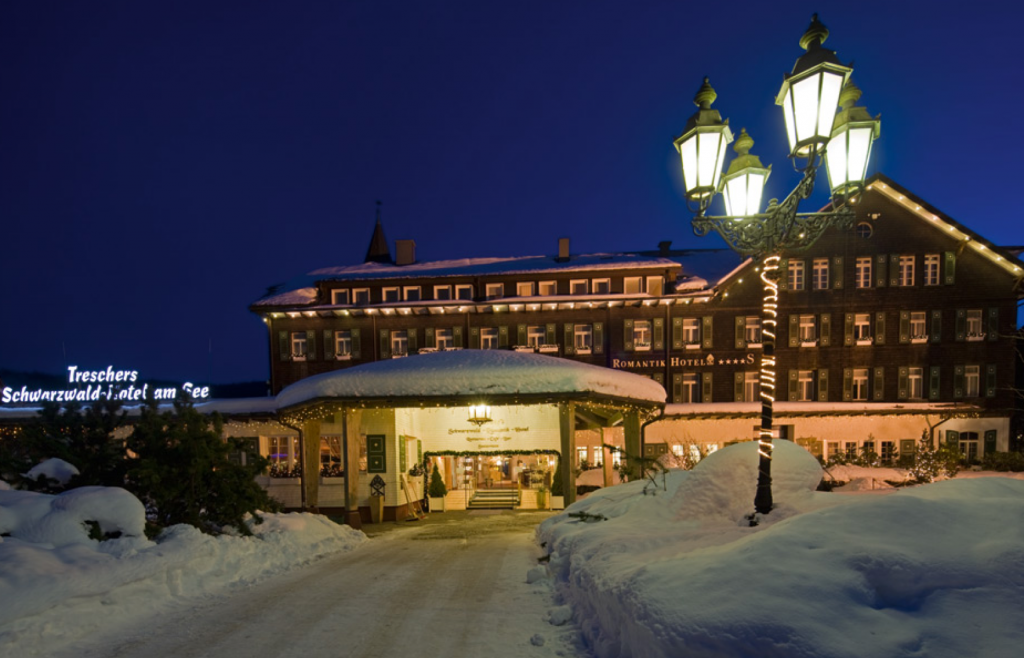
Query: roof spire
[378,251]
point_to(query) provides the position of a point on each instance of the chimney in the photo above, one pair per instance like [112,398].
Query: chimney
[563,250]
[405,252]
[664,248]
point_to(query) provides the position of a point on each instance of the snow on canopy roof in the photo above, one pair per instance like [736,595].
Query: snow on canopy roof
[489,374]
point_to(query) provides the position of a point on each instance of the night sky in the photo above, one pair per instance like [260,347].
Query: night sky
[163,163]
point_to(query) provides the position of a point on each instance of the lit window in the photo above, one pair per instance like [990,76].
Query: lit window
[283,454]
[632,285]
[494,290]
[642,335]
[343,344]
[805,386]
[820,274]
[443,339]
[808,329]
[691,389]
[579,287]
[931,270]
[750,388]
[581,455]
[918,326]
[863,272]
[862,328]
[535,336]
[298,345]
[655,285]
[969,446]
[525,289]
[399,343]
[796,275]
[601,286]
[888,452]
[389,295]
[972,381]
[860,384]
[443,293]
[548,288]
[974,331]
[584,338]
[691,331]
[906,271]
[752,331]
[339,296]
[361,296]
[488,338]
[412,293]
[464,291]
[915,381]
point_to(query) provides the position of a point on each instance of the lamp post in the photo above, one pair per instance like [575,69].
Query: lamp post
[809,97]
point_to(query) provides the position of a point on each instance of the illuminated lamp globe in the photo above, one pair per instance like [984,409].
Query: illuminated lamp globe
[743,184]
[850,147]
[702,146]
[810,94]
[479,414]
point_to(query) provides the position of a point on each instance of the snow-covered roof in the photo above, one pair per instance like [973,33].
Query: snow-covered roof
[704,410]
[486,374]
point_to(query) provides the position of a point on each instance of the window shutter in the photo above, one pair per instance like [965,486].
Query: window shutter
[413,341]
[961,324]
[990,440]
[880,328]
[958,382]
[385,344]
[950,269]
[847,384]
[936,326]
[952,438]
[282,345]
[428,337]
[794,383]
[993,324]
[677,387]
[903,383]
[783,274]
[570,344]
[328,344]
[659,334]
[990,380]
[825,330]
[794,330]
[933,383]
[474,338]
[707,332]
[627,335]
[659,377]
[904,327]
[677,333]
[456,336]
[822,385]
[599,338]
[738,391]
[880,270]
[357,345]
[741,332]
[848,329]
[894,270]
[705,387]
[837,272]
[878,388]
[503,336]
[551,333]
[521,337]
[310,345]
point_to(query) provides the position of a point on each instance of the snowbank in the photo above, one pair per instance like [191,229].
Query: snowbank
[934,571]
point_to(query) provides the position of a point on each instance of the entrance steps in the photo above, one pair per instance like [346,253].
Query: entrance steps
[494,499]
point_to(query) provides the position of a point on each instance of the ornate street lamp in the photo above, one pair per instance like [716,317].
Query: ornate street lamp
[809,97]
[479,414]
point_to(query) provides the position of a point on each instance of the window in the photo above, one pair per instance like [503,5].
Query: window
[691,388]
[851,449]
[860,384]
[862,273]
[750,387]
[488,338]
[343,344]
[819,279]
[581,455]
[389,294]
[547,288]
[888,452]
[655,285]
[339,296]
[361,296]
[642,335]
[691,332]
[752,331]
[931,270]
[601,286]
[494,290]
[862,328]
[399,343]
[464,291]
[918,326]
[579,287]
[972,381]
[805,386]
[443,292]
[864,230]
[535,336]
[412,293]
[584,338]
[597,456]
[974,331]
[969,446]
[298,345]
[283,454]
[808,329]
[330,455]
[796,275]
[915,382]
[443,339]
[632,285]
[525,289]
[906,271]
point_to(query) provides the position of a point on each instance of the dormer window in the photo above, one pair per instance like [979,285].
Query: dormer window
[547,288]
[632,285]
[464,291]
[361,296]
[655,285]
[494,290]
[390,295]
[443,293]
[525,289]
[579,287]
[601,286]
[340,297]
[412,293]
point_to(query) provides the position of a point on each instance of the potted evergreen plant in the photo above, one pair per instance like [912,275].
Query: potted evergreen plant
[558,488]
[436,491]
[542,497]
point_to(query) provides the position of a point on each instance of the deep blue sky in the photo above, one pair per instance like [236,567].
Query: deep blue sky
[162,163]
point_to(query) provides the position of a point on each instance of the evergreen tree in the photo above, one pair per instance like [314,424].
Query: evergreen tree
[437,488]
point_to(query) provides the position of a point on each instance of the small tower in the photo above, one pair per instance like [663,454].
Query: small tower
[378,252]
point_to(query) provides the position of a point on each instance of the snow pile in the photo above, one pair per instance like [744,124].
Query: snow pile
[53,469]
[56,583]
[935,570]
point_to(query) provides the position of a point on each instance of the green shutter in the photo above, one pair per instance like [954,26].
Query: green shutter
[357,345]
[310,345]
[658,342]
[794,385]
[936,326]
[402,463]
[825,330]
[599,338]
[903,383]
[894,270]
[990,380]
[707,332]
[993,324]
[551,333]
[627,335]
[905,327]
[961,324]
[953,438]
[413,341]
[847,384]
[950,268]
[283,345]
[990,440]
[474,338]
[570,342]
[521,335]
[933,383]
[878,388]
[837,272]
[880,328]
[429,338]
[822,385]
[958,382]
[741,332]
[385,344]
[328,344]
[880,270]
[677,387]
[677,333]
[706,387]
[783,274]
[457,337]
[659,377]
[738,386]
[794,330]
[503,336]
[848,329]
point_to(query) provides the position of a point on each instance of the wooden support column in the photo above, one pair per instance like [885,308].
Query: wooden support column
[567,427]
[607,468]
[311,464]
[634,451]
[351,423]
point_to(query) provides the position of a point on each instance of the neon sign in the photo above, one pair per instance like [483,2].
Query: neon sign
[108,384]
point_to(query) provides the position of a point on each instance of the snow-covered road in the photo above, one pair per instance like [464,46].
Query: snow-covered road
[453,589]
